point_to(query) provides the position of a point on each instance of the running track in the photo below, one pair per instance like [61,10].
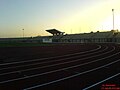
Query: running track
[86,70]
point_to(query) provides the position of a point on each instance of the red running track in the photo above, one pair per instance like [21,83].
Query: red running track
[79,67]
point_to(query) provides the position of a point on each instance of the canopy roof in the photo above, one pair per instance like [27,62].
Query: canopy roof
[54,31]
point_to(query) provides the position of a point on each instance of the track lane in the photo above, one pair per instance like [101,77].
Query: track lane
[44,62]
[78,78]
[48,68]
[68,71]
[49,58]
[50,63]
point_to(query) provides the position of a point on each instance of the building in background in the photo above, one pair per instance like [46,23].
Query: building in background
[112,36]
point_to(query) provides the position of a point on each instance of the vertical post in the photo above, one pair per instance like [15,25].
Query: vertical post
[23,33]
[113,18]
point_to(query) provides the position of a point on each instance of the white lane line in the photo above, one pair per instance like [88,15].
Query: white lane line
[101,81]
[72,76]
[99,46]
[50,61]
[27,77]
[59,63]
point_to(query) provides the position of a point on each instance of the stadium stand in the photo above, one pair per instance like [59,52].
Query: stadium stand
[112,36]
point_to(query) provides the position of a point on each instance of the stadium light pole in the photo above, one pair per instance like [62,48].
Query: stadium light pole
[23,32]
[113,17]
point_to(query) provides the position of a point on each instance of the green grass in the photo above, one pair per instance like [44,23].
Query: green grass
[15,44]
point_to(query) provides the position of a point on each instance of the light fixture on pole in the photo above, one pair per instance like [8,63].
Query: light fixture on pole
[113,18]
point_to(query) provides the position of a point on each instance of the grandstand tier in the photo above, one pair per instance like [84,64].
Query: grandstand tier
[58,36]
[55,32]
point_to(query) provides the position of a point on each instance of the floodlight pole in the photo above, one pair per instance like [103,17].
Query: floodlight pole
[113,18]
[23,33]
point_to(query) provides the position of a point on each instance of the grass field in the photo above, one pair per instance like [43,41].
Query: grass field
[14,44]
[30,44]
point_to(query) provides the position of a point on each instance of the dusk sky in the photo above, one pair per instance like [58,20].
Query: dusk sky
[69,16]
